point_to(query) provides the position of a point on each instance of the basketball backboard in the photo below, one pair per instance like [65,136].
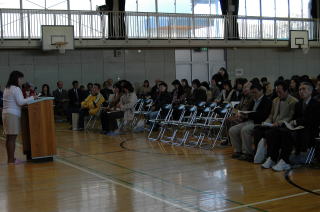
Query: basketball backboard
[299,39]
[54,36]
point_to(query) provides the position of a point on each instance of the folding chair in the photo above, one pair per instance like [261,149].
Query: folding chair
[165,112]
[186,126]
[144,108]
[312,151]
[93,118]
[172,124]
[215,127]
[198,128]
[137,108]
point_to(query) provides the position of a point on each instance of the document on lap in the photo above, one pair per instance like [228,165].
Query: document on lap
[291,127]
[245,112]
[266,124]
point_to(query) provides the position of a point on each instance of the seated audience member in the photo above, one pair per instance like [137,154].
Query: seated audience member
[317,91]
[294,87]
[124,109]
[27,90]
[107,89]
[215,90]
[113,101]
[198,95]
[74,96]
[221,77]
[244,105]
[60,99]
[241,135]
[83,94]
[282,141]
[237,91]
[177,93]
[45,91]
[88,91]
[186,89]
[255,81]
[145,90]
[282,111]
[155,89]
[226,93]
[205,86]
[91,105]
[267,87]
[163,99]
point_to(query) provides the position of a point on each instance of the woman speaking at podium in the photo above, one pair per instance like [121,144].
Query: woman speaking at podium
[13,100]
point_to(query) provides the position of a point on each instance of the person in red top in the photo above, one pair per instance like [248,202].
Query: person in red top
[27,90]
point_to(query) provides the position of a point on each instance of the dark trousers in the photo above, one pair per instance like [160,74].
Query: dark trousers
[109,120]
[261,132]
[82,114]
[61,108]
[72,109]
[281,142]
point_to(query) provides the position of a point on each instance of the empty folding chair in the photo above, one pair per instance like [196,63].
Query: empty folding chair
[186,125]
[143,109]
[312,151]
[215,127]
[195,132]
[172,124]
[163,114]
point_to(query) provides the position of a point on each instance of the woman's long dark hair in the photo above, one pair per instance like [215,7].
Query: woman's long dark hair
[48,90]
[128,85]
[186,83]
[13,78]
[146,81]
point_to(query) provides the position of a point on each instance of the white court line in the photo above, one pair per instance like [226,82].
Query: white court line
[267,201]
[124,185]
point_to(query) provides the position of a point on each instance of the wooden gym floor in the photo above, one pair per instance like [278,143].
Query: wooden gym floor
[93,172]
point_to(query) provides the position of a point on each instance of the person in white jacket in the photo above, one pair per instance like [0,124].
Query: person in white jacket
[13,100]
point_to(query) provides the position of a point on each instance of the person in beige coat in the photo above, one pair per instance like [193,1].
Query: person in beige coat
[123,110]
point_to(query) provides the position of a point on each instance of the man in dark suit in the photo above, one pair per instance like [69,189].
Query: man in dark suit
[241,135]
[61,99]
[307,115]
[74,95]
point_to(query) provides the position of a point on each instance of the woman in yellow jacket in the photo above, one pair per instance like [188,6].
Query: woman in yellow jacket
[91,105]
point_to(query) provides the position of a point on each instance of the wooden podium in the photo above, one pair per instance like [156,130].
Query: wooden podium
[38,130]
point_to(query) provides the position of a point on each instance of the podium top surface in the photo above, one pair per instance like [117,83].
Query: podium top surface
[40,100]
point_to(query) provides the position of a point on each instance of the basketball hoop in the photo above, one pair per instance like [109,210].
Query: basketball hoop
[60,46]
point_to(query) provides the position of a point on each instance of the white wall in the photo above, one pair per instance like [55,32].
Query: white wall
[201,65]
[273,62]
[99,64]
[88,66]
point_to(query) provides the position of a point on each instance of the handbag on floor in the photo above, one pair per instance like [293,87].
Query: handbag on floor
[75,121]
[261,153]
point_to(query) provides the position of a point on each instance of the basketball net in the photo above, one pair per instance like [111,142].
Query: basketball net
[61,46]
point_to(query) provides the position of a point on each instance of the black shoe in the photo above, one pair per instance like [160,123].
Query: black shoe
[225,143]
[236,155]
[246,157]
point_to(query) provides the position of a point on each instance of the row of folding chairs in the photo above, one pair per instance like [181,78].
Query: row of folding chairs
[141,109]
[192,126]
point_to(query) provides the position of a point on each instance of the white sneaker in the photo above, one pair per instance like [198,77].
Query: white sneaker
[281,166]
[268,164]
